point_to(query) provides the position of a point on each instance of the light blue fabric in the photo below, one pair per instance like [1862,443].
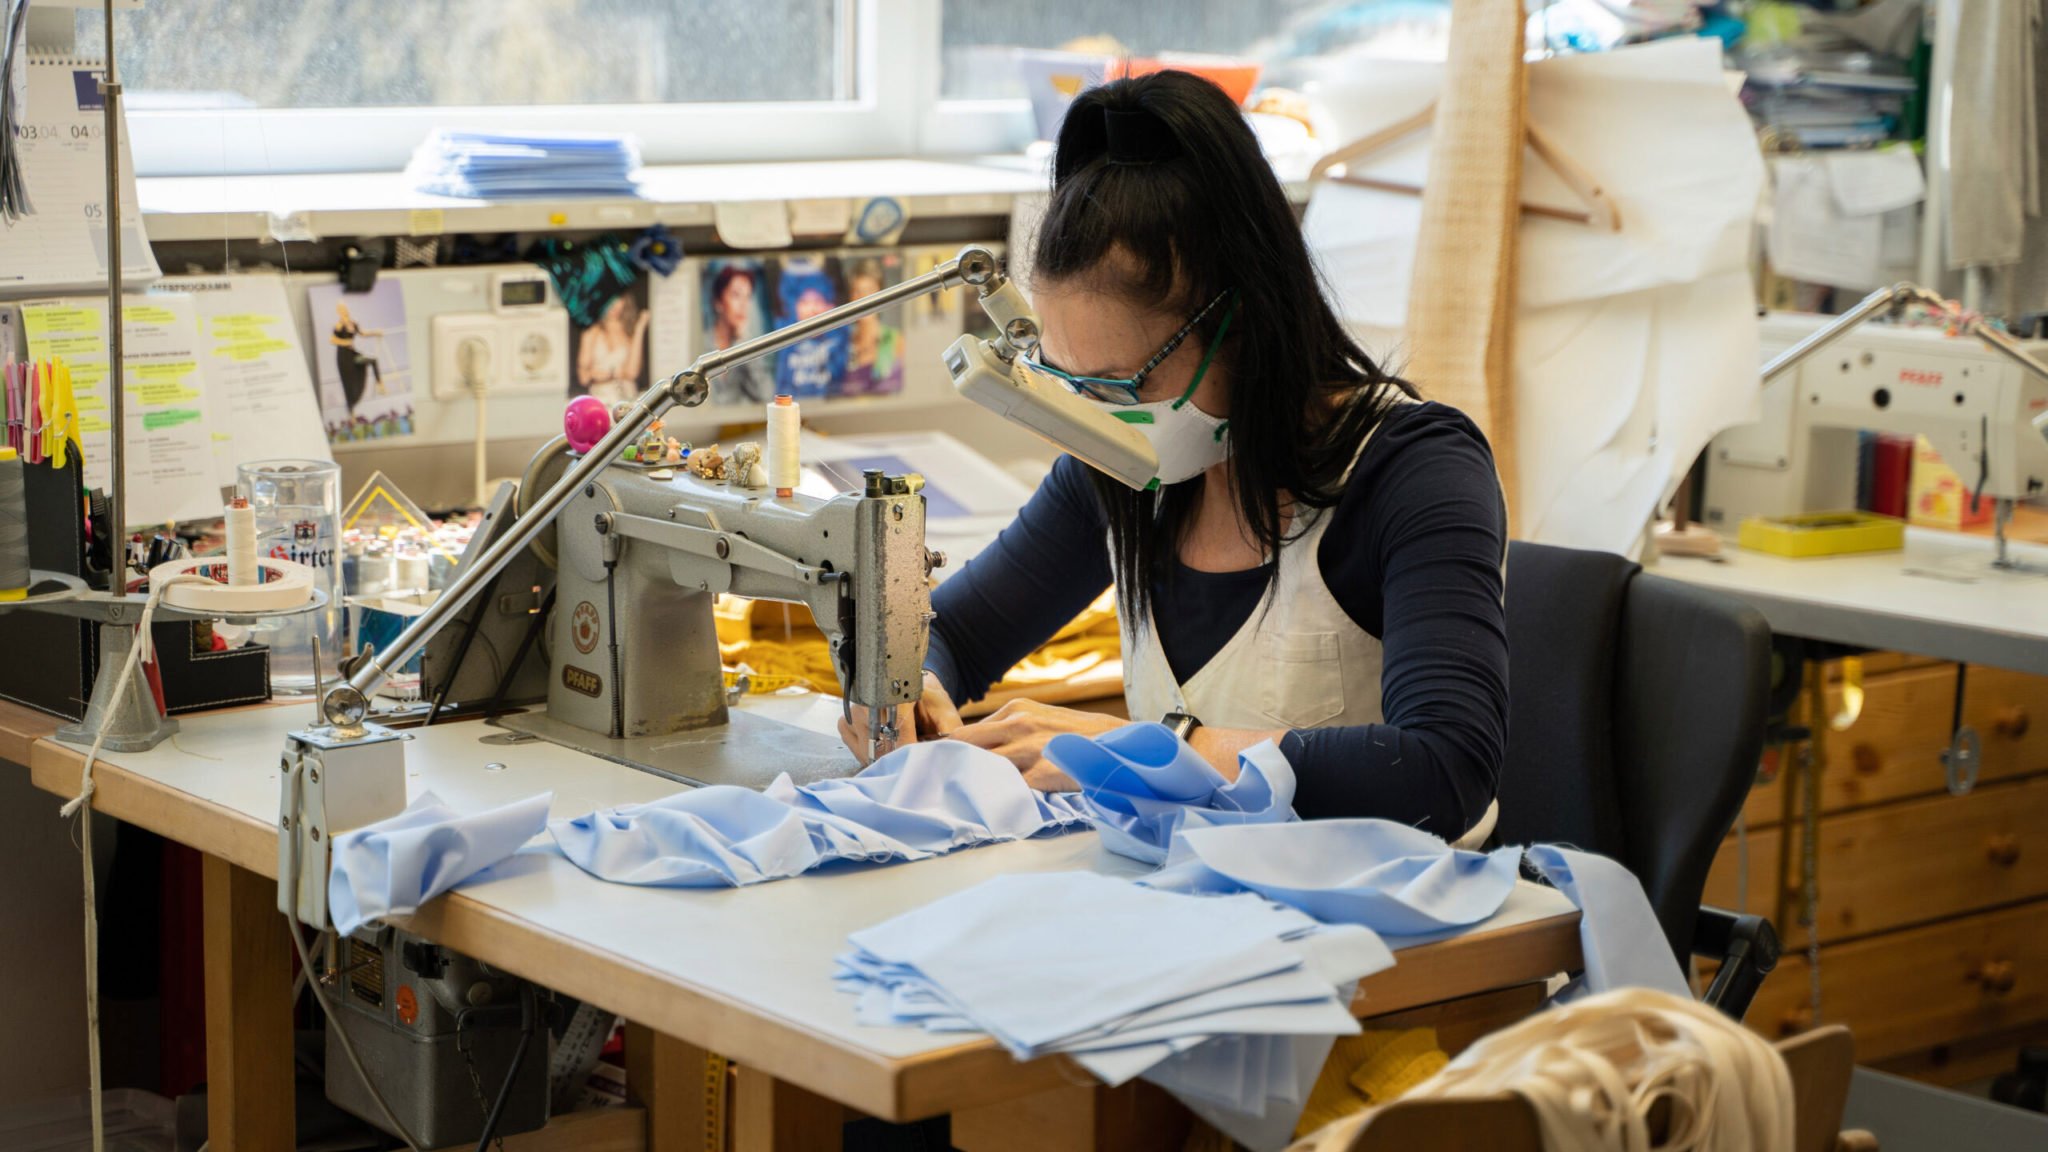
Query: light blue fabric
[1389,877]
[394,866]
[1623,944]
[919,801]
[1122,976]
[1140,784]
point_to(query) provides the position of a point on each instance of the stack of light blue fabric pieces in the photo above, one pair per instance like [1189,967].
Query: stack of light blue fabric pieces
[503,164]
[1210,996]
[394,866]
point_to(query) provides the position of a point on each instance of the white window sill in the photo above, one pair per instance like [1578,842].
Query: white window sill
[302,207]
[264,207]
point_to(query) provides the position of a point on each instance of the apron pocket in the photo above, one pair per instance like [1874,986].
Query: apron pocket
[1301,677]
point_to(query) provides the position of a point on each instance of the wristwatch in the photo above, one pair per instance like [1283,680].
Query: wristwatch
[1181,724]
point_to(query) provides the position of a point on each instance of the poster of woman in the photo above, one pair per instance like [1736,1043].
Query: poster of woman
[362,363]
[734,308]
[874,364]
[611,355]
[806,287]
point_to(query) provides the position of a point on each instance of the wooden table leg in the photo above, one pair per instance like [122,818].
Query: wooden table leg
[681,1087]
[770,1115]
[248,1012]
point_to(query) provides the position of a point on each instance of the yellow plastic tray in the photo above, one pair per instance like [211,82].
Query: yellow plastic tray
[1823,534]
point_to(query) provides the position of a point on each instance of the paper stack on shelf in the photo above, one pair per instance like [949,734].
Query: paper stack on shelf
[497,164]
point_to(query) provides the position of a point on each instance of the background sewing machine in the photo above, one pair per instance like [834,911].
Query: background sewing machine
[1978,405]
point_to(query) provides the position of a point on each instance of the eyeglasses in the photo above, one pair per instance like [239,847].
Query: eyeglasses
[1124,391]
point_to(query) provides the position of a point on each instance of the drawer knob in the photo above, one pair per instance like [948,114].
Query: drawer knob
[1997,976]
[2010,721]
[2003,849]
[1866,760]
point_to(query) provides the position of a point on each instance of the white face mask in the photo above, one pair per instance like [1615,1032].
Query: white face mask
[1188,440]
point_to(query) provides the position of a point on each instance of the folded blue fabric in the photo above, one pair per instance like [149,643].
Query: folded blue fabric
[394,866]
[1390,877]
[919,801]
[1140,784]
[1623,945]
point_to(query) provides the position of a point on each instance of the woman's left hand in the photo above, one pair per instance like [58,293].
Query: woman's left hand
[1018,731]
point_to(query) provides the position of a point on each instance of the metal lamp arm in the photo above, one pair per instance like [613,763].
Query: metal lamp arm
[345,704]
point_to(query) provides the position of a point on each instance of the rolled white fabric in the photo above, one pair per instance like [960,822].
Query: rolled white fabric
[1593,1069]
[785,459]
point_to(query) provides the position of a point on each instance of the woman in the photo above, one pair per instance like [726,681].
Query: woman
[1321,562]
[613,351]
[351,363]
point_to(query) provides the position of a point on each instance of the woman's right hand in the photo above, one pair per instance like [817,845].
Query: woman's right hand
[931,717]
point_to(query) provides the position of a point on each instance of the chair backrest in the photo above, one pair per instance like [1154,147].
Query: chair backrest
[1636,716]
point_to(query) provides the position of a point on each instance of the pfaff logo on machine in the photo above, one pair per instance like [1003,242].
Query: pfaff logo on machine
[583,627]
[1920,376]
[577,680]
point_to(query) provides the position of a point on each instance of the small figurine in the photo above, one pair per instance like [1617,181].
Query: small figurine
[747,471]
[707,463]
[675,452]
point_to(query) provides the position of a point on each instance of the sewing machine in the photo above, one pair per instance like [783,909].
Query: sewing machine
[1981,402]
[642,553]
[642,549]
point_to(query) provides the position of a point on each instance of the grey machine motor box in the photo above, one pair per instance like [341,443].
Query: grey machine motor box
[437,1031]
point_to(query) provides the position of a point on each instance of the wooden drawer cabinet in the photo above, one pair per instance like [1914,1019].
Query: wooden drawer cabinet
[1893,751]
[1907,991]
[1903,864]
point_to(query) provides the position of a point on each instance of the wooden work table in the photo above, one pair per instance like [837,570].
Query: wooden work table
[742,973]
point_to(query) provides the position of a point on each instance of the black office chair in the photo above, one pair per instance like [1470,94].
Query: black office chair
[1637,714]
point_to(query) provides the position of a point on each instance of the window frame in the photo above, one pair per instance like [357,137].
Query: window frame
[894,110]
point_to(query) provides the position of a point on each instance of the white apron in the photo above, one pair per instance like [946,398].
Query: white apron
[1299,661]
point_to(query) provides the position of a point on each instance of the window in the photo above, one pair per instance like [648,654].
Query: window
[413,53]
[281,86]
[980,35]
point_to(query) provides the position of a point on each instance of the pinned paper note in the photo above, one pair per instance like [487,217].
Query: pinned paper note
[170,461]
[820,217]
[1877,180]
[752,223]
[259,395]
[1810,238]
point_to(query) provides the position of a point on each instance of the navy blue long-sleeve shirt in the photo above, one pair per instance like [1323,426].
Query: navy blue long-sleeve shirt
[1412,554]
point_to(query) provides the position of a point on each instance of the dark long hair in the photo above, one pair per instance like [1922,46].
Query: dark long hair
[1187,197]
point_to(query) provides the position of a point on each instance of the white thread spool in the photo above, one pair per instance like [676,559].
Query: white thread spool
[785,458]
[373,573]
[241,527]
[411,575]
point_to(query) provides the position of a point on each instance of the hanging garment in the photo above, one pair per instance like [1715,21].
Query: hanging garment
[1631,348]
[394,866]
[919,801]
[1140,784]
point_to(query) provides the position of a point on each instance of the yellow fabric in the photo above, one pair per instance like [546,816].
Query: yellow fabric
[780,644]
[1369,1068]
